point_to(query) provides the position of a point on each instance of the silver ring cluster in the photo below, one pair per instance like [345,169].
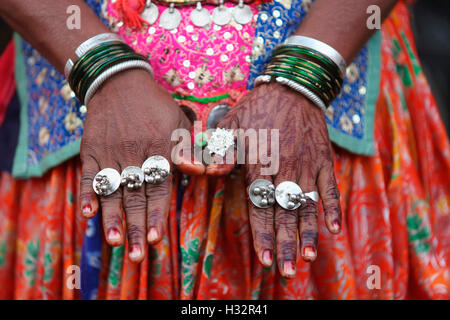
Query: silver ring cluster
[288,194]
[155,170]
[102,184]
[262,193]
[132,177]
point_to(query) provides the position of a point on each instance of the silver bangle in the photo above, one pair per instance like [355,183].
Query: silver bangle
[295,86]
[88,45]
[321,47]
[132,64]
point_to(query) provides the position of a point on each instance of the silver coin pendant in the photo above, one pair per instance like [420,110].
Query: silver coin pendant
[170,19]
[200,17]
[242,14]
[221,15]
[150,13]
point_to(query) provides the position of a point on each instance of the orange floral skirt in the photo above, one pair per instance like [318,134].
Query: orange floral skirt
[396,219]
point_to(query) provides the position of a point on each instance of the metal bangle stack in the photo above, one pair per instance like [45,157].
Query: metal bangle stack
[307,66]
[99,58]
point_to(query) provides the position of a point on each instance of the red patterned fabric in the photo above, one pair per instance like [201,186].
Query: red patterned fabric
[396,219]
[7,82]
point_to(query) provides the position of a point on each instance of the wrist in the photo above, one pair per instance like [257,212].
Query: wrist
[124,84]
[100,58]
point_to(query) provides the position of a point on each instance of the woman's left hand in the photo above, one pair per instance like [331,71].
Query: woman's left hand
[304,158]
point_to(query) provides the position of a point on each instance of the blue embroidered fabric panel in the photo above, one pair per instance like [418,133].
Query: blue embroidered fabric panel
[51,123]
[49,120]
[346,116]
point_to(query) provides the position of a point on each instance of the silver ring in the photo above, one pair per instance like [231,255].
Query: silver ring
[290,196]
[262,193]
[132,178]
[156,169]
[220,141]
[106,182]
[313,195]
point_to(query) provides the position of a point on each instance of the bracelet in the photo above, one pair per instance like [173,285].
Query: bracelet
[99,59]
[295,86]
[303,82]
[91,59]
[132,64]
[308,66]
[311,56]
[88,45]
[104,64]
[92,55]
[320,47]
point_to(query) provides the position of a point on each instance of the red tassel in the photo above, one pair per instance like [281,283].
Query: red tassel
[129,12]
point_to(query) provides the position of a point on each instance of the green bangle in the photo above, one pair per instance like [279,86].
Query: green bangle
[316,69]
[321,82]
[310,53]
[303,63]
[319,77]
[332,71]
[303,82]
[83,65]
[307,63]
[93,66]
[94,72]
[97,49]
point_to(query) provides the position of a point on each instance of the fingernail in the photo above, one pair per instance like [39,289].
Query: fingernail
[288,268]
[87,209]
[113,234]
[152,235]
[309,253]
[336,225]
[267,257]
[135,252]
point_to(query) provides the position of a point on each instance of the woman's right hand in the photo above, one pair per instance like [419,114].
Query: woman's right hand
[130,119]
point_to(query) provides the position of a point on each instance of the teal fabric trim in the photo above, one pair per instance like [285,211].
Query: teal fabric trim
[365,146]
[20,158]
[21,169]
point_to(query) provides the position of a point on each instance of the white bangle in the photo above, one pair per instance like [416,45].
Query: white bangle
[321,47]
[132,64]
[295,86]
[88,45]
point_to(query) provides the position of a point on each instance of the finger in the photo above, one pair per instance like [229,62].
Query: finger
[135,205]
[220,166]
[158,204]
[112,212]
[286,225]
[88,198]
[183,157]
[329,193]
[261,221]
[308,216]
[308,229]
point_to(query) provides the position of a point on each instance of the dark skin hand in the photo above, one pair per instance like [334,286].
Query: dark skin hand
[304,158]
[304,154]
[129,119]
